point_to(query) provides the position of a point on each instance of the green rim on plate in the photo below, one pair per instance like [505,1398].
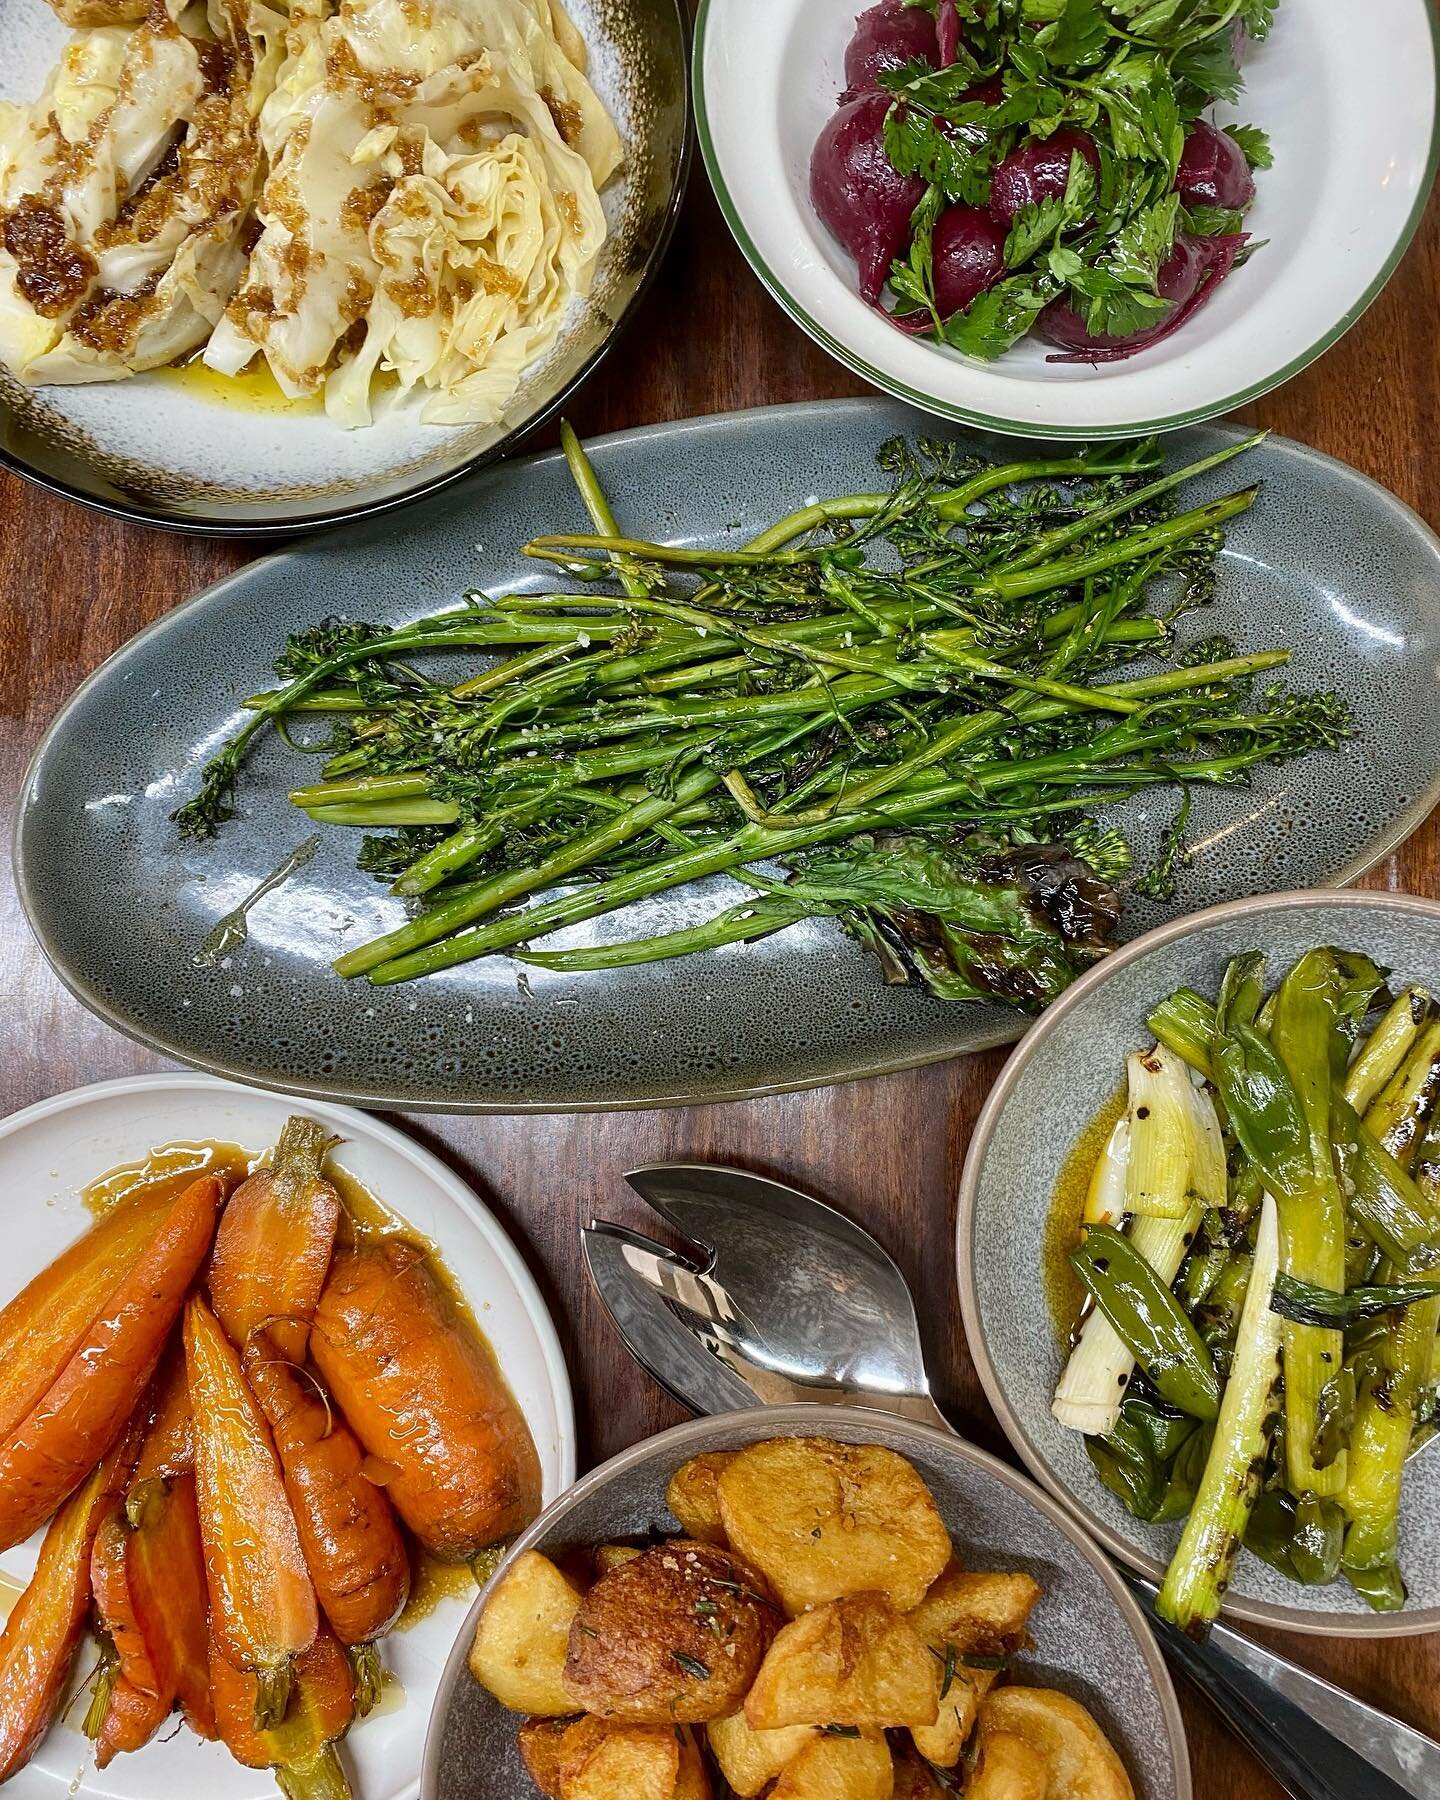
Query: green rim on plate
[1018,427]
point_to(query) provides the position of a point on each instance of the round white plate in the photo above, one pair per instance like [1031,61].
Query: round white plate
[47,1153]
[1351,114]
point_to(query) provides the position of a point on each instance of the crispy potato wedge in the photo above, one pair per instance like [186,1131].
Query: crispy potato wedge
[822,1520]
[672,1637]
[692,1496]
[968,1614]
[839,1768]
[621,1762]
[748,1758]
[854,1661]
[1008,1769]
[913,1780]
[1080,1762]
[606,1557]
[521,1640]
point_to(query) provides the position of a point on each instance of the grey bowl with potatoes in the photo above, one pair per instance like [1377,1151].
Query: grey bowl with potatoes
[805,1603]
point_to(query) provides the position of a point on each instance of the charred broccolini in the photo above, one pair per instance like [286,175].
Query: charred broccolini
[902,709]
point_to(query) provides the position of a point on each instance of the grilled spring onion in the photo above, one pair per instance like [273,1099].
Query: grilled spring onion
[1149,1320]
[1100,1368]
[1199,1573]
[1390,1407]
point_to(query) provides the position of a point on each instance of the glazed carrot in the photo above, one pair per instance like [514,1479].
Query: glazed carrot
[110,1586]
[44,1324]
[45,1625]
[300,1749]
[168,1450]
[262,1602]
[352,1543]
[274,1243]
[166,1566]
[423,1393]
[88,1405]
[120,1717]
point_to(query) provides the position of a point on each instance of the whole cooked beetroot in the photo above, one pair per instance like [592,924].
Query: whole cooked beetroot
[969,256]
[1187,278]
[887,37]
[1213,170]
[855,189]
[1037,171]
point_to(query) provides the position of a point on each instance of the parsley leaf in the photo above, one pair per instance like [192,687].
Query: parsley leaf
[913,277]
[1254,145]
[1078,37]
[1034,225]
[1214,221]
[1000,317]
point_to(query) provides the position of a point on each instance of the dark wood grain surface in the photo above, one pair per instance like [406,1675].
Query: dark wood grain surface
[74,586]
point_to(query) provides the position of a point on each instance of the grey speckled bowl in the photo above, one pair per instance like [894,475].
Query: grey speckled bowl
[1085,1622]
[1049,1091]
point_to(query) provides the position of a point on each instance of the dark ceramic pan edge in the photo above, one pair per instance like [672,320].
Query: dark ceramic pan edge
[1251,1612]
[136,513]
[809,1418]
[1406,823]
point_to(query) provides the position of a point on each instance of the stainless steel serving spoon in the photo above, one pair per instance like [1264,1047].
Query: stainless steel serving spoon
[778,1297]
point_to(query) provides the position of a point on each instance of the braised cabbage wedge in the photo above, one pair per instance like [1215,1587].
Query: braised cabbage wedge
[407,189]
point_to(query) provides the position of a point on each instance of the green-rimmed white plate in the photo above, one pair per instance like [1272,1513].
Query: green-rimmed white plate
[1353,124]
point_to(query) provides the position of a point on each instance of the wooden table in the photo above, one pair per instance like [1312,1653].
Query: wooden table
[75,586]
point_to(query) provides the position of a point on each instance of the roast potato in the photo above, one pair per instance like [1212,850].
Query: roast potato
[1080,1763]
[854,1661]
[541,1744]
[967,1614]
[673,1636]
[606,1557]
[621,1762]
[1008,1769]
[692,1496]
[523,1635]
[692,1783]
[835,1767]
[822,1520]
[748,1758]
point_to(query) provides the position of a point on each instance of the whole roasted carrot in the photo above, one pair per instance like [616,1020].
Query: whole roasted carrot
[424,1395]
[352,1543]
[45,1625]
[166,1567]
[120,1717]
[301,1747]
[168,1450]
[110,1587]
[86,1408]
[45,1323]
[262,1602]
[274,1243]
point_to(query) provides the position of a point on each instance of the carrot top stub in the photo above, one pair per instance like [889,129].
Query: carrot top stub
[262,1602]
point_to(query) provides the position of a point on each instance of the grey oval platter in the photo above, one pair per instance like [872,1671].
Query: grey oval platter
[148,449]
[1047,1094]
[1326,562]
[1085,1621]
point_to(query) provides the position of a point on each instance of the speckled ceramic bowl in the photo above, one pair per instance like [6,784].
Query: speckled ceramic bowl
[1049,1091]
[1326,562]
[1086,1622]
[157,450]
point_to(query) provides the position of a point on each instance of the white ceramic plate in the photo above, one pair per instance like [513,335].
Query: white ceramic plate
[1351,113]
[51,1150]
